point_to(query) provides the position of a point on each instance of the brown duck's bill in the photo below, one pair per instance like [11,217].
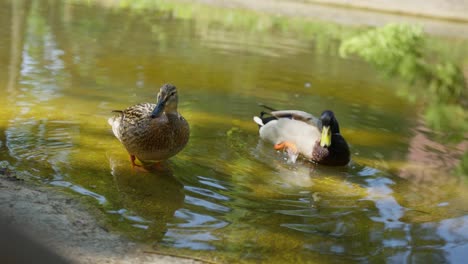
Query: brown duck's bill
[325,140]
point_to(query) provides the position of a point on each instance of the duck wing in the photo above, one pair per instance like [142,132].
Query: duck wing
[296,115]
[130,118]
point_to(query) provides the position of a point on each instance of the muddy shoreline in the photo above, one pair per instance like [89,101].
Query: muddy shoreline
[60,223]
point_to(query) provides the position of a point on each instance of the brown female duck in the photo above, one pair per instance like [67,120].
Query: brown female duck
[153,132]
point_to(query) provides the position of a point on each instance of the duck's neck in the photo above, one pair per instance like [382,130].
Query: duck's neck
[170,109]
[171,106]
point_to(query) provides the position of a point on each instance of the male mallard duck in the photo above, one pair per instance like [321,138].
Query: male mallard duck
[152,131]
[298,132]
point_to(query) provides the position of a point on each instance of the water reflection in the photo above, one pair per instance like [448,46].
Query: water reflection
[148,200]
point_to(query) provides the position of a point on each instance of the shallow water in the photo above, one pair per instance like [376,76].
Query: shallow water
[65,66]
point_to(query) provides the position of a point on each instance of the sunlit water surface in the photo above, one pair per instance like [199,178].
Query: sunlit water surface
[64,67]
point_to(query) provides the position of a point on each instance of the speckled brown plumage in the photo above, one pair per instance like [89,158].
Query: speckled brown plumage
[150,137]
[335,155]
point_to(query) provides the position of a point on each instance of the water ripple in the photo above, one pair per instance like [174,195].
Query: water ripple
[191,240]
[208,205]
[101,199]
[206,192]
[197,220]
[211,182]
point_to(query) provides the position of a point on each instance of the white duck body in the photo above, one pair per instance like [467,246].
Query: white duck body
[302,132]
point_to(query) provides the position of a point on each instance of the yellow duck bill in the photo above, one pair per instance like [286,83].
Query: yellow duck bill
[325,140]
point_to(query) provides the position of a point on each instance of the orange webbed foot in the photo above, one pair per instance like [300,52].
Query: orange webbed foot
[136,166]
[290,148]
[158,166]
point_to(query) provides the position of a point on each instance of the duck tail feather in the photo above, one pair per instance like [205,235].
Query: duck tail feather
[112,120]
[263,113]
[258,120]
[266,107]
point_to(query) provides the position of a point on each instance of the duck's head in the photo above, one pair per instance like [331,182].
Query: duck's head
[167,100]
[328,125]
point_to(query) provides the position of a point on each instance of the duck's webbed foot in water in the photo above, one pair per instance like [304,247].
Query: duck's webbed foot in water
[290,148]
[136,166]
[158,166]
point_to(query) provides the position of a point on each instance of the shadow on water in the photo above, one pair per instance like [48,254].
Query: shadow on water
[153,197]
[227,193]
